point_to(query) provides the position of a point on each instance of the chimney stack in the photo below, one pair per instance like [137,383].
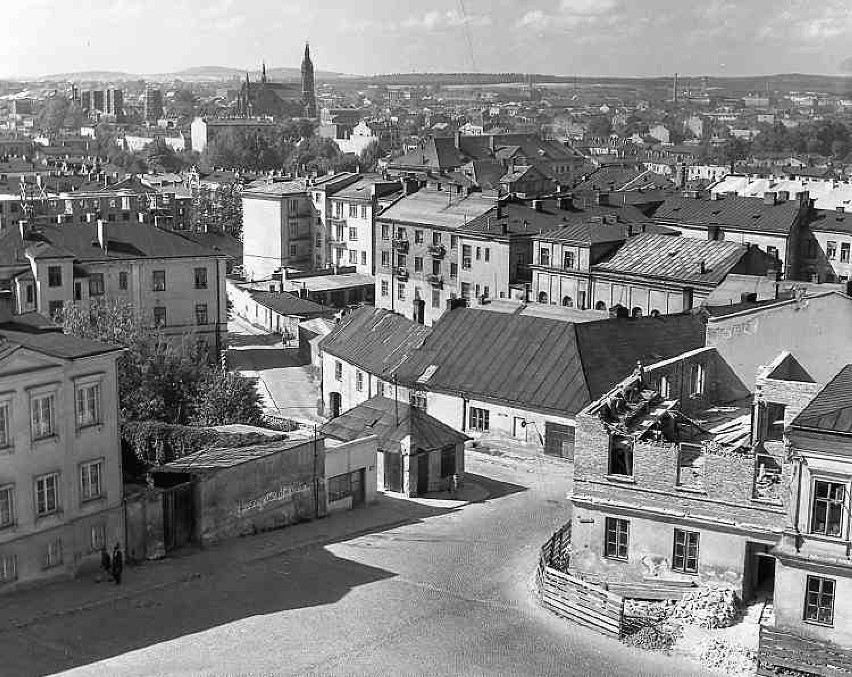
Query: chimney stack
[770,197]
[102,235]
[702,267]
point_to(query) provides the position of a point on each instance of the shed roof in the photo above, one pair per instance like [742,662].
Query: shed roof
[831,409]
[391,422]
[289,304]
[218,458]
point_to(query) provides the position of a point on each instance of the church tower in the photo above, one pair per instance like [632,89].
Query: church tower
[308,96]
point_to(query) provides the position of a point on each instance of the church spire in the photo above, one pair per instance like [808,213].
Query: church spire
[263,73]
[308,95]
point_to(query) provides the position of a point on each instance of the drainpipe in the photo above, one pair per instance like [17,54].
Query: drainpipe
[217,338]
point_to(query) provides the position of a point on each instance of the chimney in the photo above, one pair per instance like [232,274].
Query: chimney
[840,211]
[702,267]
[102,235]
[770,197]
[783,196]
[538,205]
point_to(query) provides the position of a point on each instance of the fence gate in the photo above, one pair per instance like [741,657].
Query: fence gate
[178,516]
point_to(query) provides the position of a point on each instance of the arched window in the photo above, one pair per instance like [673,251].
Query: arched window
[542,297]
[600,305]
[636,312]
[567,301]
[655,313]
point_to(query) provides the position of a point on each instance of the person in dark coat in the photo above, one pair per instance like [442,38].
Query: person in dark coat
[106,563]
[117,564]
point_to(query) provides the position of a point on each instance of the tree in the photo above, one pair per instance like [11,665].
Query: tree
[159,379]
[183,106]
[224,398]
[59,113]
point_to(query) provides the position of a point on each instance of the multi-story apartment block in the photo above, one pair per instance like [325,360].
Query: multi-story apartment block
[418,251]
[171,282]
[826,247]
[60,453]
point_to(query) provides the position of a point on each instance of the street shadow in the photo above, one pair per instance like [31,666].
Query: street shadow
[496,488]
[241,340]
[241,579]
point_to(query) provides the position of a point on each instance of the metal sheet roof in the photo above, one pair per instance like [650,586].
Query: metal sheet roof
[740,213]
[831,409]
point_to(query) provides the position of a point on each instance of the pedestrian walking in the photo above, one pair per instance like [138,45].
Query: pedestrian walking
[106,563]
[117,564]
[454,485]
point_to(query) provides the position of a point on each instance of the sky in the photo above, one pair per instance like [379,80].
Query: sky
[567,37]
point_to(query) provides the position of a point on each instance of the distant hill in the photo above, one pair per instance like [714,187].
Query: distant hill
[194,74]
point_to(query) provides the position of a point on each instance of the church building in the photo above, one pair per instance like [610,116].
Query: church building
[280,99]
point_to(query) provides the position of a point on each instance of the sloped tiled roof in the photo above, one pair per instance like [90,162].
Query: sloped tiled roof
[831,409]
[539,363]
[375,340]
[391,422]
[675,258]
[740,213]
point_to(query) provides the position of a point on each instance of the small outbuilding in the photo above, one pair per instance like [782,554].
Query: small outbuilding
[416,453]
[244,490]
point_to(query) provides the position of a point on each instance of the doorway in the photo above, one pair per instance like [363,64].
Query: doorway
[419,310]
[356,487]
[334,404]
[759,572]
[422,473]
[519,428]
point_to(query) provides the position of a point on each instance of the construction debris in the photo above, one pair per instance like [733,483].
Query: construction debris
[730,659]
[710,606]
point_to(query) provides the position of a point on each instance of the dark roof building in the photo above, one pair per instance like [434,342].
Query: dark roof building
[831,410]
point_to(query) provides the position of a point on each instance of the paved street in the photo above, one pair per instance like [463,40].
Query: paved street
[446,592]
[284,381]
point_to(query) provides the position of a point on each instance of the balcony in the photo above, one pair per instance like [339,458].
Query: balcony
[401,273]
[437,251]
[401,246]
[435,280]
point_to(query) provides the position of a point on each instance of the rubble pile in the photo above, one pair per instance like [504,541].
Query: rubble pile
[730,659]
[656,637]
[712,606]
[648,611]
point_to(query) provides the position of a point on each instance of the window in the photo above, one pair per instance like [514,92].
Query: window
[831,250]
[827,508]
[359,381]
[380,388]
[436,238]
[97,537]
[448,461]
[417,400]
[5,425]
[772,251]
[363,258]
[844,252]
[159,316]
[696,380]
[122,281]
[567,302]
[78,291]
[385,231]
[201,278]
[466,256]
[43,418]
[400,291]
[567,260]
[353,211]
[401,260]
[353,257]
[690,466]
[353,234]
[88,405]
[47,494]
[544,257]
[201,313]
[418,264]
[90,480]
[158,279]
[664,386]
[487,254]
[386,258]
[436,298]
[581,300]
[454,270]
[479,419]
[53,556]
[384,288]
[96,284]
[685,555]
[454,241]
[486,292]
[775,421]
[293,251]
[621,455]
[418,236]
[30,294]
[338,370]
[819,600]
[477,291]
[54,276]
[8,568]
[363,211]
[617,538]
[478,253]
[7,505]
[465,290]
[401,233]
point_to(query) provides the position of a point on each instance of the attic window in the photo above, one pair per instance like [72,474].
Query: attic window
[428,373]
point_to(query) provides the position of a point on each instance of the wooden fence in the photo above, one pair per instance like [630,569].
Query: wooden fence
[781,651]
[569,596]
